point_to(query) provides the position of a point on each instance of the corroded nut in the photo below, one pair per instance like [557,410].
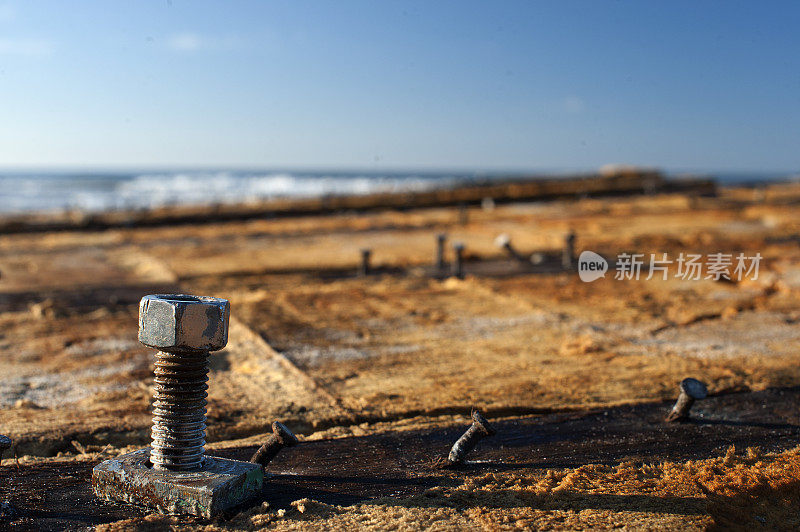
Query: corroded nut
[183,322]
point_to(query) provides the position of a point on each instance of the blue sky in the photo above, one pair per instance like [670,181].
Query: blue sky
[400,85]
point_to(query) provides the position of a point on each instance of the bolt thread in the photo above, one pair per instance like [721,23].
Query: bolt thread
[179,410]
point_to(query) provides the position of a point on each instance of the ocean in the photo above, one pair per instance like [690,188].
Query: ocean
[30,191]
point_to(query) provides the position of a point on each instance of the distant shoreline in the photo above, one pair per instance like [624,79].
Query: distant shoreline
[620,182]
[31,192]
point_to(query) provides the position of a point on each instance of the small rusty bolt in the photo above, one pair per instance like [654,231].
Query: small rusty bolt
[568,254]
[504,242]
[441,239]
[691,389]
[363,269]
[281,437]
[463,214]
[5,443]
[479,429]
[184,329]
[458,263]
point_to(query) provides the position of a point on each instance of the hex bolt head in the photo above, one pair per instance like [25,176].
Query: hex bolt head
[479,429]
[184,328]
[691,390]
[281,437]
[171,322]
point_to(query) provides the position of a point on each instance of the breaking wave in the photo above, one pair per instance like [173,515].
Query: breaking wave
[101,192]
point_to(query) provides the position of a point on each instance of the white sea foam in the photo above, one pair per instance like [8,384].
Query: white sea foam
[27,192]
[98,192]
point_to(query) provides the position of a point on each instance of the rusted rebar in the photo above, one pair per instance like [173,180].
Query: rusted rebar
[458,262]
[479,429]
[281,437]
[441,239]
[504,242]
[364,267]
[463,214]
[691,390]
[568,253]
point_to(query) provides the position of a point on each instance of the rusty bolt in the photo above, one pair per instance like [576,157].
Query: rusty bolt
[174,475]
[691,389]
[364,268]
[441,238]
[184,329]
[281,437]
[568,254]
[458,263]
[479,429]
[463,214]
[504,242]
[5,443]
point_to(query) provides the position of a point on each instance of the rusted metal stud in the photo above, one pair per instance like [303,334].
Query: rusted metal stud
[364,267]
[174,475]
[479,429]
[181,373]
[463,214]
[5,443]
[691,390]
[441,239]
[281,437]
[458,263]
[568,254]
[504,242]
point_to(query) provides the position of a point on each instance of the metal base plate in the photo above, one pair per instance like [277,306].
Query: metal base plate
[219,485]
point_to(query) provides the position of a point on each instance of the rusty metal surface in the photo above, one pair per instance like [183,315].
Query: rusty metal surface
[57,495]
[219,485]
